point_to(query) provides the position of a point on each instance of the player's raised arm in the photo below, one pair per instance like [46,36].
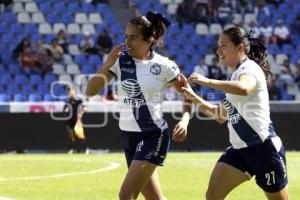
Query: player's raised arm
[216,112]
[103,76]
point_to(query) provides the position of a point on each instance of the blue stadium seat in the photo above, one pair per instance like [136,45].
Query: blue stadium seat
[160,8]
[26,89]
[205,90]
[298,48]
[52,18]
[120,39]
[46,7]
[48,38]
[57,91]
[30,29]
[196,58]
[295,57]
[49,78]
[59,7]
[62,98]
[196,39]
[9,17]
[3,28]
[188,29]
[88,8]
[48,98]
[73,8]
[88,69]
[202,49]
[66,18]
[21,79]
[144,8]
[190,49]
[19,98]
[182,39]
[102,8]
[109,18]
[290,18]
[283,9]
[116,29]
[168,40]
[173,29]
[14,69]
[2,89]
[80,59]
[6,79]
[288,49]
[273,49]
[34,98]
[16,28]
[262,17]
[7,59]
[2,69]
[174,50]
[43,89]
[287,97]
[36,79]
[210,40]
[36,37]
[4,98]
[100,27]
[12,89]
[188,70]
[8,38]
[95,60]
[78,38]
[182,59]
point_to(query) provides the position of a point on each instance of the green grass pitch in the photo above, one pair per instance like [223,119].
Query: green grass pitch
[98,177]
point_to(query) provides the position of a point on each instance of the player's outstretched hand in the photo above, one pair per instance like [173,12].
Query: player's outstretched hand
[199,79]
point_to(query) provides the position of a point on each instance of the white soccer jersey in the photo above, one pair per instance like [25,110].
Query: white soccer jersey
[249,116]
[141,88]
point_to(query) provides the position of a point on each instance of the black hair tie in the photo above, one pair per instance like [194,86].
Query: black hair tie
[153,16]
[255,41]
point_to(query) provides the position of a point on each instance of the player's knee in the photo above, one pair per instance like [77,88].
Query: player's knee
[212,194]
[125,196]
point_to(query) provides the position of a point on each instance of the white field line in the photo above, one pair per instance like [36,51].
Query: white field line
[111,166]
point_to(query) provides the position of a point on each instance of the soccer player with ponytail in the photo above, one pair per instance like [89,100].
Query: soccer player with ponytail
[255,148]
[143,76]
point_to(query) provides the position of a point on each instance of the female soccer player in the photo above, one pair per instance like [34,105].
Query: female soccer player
[143,76]
[255,148]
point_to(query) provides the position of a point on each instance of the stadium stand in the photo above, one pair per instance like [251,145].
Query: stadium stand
[187,43]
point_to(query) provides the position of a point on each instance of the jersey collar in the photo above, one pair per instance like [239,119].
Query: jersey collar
[240,63]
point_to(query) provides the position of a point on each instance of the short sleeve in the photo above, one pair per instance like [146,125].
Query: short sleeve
[114,69]
[172,71]
[248,71]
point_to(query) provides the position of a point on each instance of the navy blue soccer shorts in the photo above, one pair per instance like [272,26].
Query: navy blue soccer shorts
[262,161]
[150,146]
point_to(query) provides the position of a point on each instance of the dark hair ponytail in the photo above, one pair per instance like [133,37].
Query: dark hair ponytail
[254,48]
[152,26]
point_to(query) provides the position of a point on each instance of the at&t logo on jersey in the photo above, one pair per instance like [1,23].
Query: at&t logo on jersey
[133,90]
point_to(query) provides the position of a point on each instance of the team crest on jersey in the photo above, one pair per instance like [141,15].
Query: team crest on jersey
[155,69]
[174,68]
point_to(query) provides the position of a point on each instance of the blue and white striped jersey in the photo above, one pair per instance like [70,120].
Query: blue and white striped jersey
[249,116]
[141,87]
